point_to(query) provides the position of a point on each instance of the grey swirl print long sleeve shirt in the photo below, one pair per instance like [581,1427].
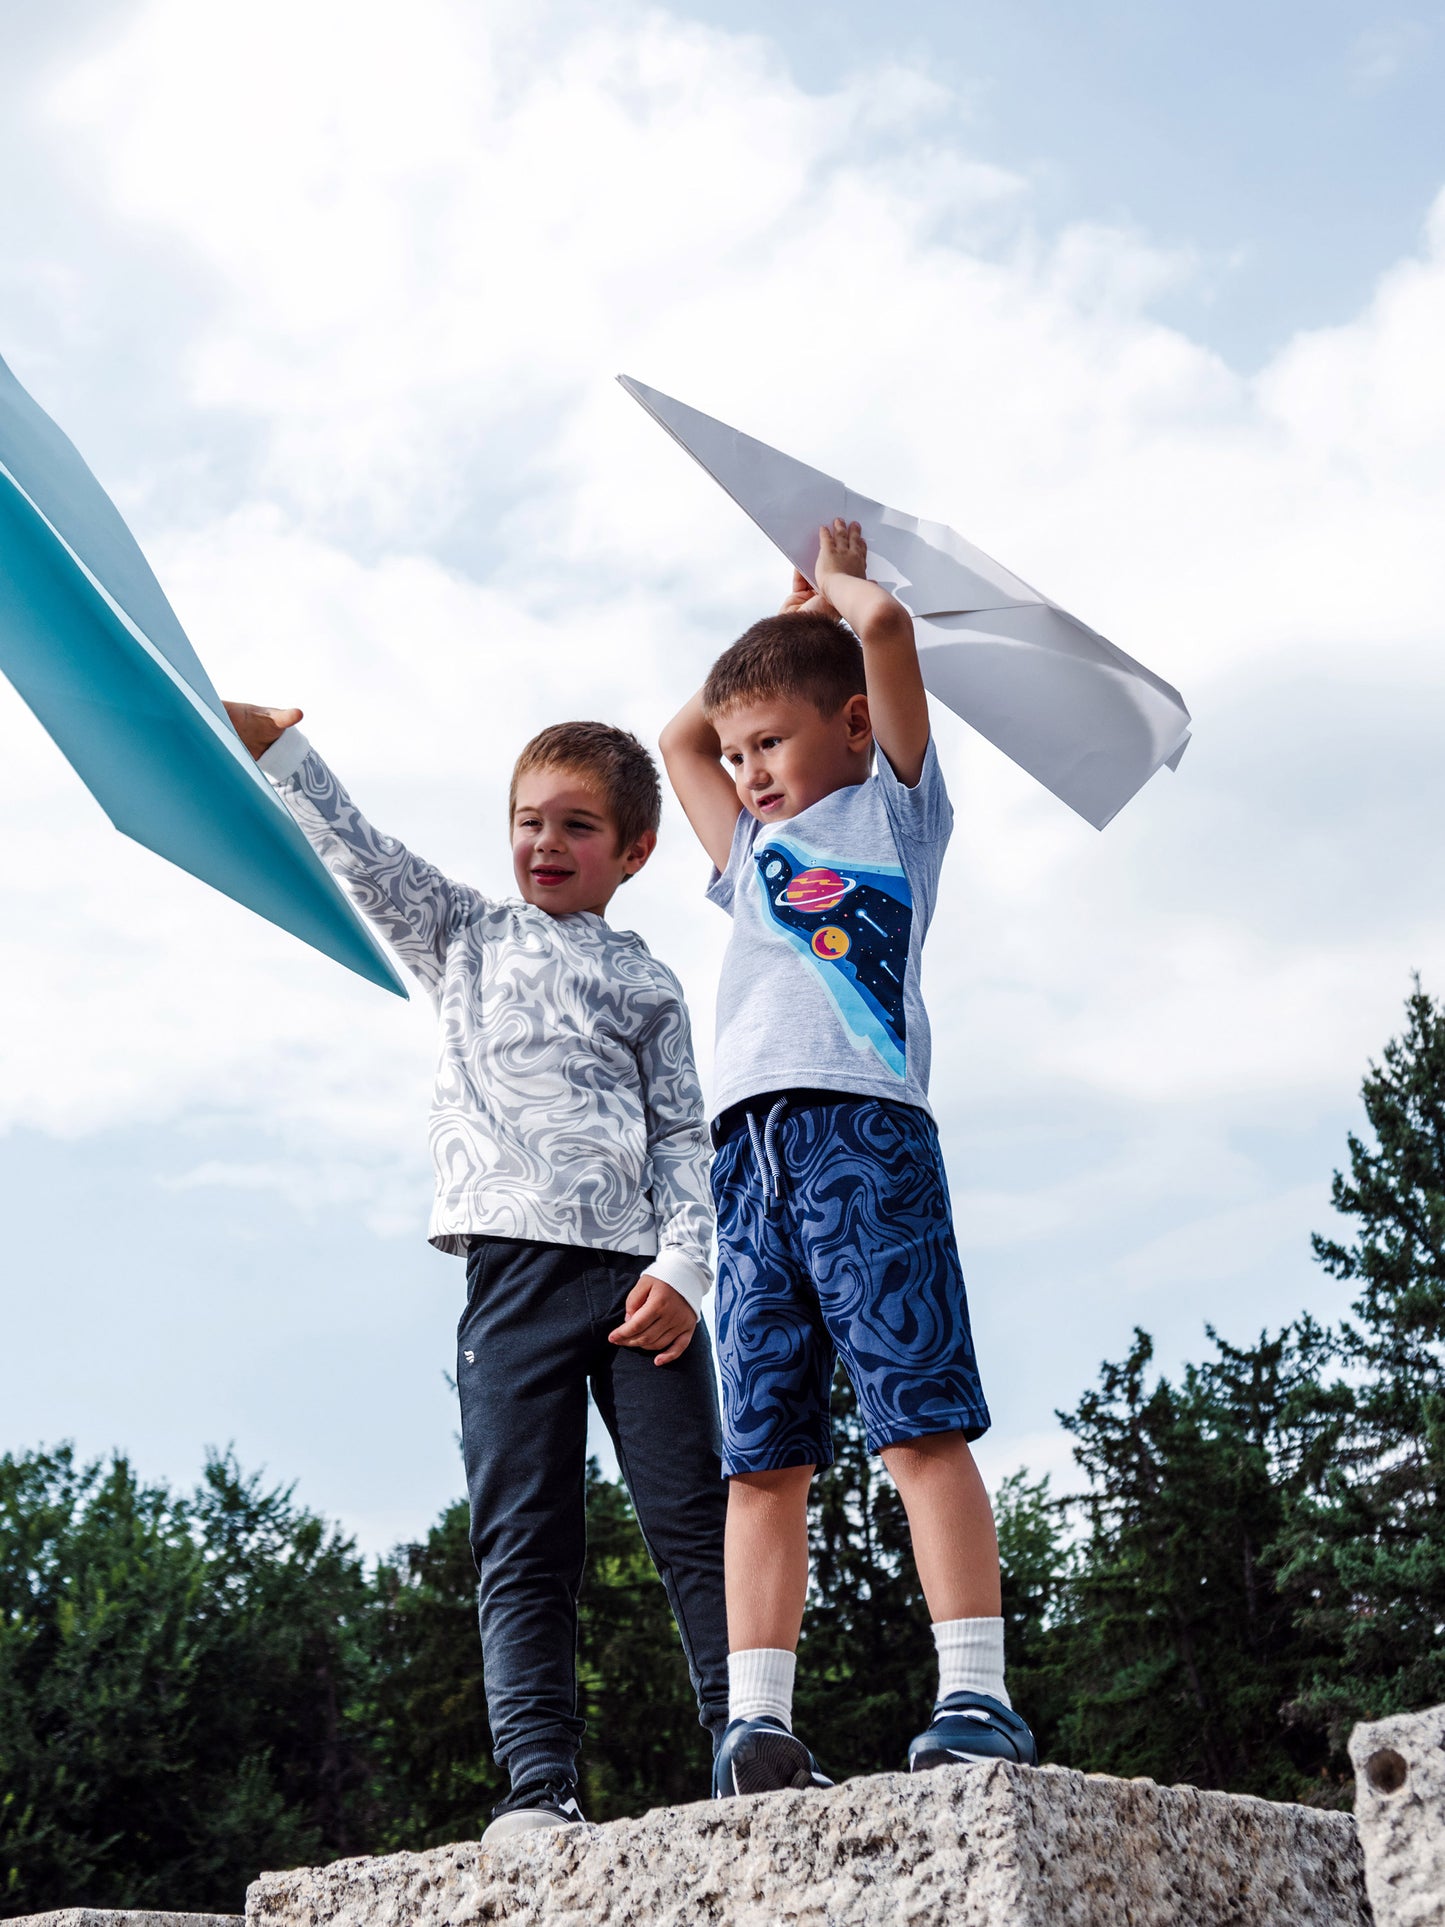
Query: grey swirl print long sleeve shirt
[567,1107]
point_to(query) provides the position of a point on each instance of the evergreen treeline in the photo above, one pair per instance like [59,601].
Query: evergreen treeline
[196,1687]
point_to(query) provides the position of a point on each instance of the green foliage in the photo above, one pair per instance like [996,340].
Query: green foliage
[1368,1551]
[1037,1566]
[1180,1647]
[173,1679]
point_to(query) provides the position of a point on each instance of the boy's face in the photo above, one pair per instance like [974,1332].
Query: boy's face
[785,754]
[564,844]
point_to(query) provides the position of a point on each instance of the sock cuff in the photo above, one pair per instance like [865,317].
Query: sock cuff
[970,1657]
[966,1635]
[760,1682]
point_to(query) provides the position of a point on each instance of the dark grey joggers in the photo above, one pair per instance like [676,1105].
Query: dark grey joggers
[532,1339]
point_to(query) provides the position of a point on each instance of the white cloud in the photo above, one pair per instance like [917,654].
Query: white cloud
[405,266]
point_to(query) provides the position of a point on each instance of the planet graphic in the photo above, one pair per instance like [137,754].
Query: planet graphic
[831,944]
[813,890]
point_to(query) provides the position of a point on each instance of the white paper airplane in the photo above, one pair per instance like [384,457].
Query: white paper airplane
[1088,721]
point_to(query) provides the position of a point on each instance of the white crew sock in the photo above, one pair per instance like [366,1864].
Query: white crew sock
[970,1657]
[761,1681]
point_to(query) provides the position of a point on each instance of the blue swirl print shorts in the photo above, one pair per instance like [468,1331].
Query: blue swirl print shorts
[835,1238]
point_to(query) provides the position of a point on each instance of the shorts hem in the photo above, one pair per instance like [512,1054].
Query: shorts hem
[973,1424]
[784,1461]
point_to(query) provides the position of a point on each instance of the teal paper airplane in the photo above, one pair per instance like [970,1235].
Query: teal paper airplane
[92,645]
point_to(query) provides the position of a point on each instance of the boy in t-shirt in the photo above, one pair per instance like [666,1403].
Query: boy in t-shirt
[570,1150]
[806,766]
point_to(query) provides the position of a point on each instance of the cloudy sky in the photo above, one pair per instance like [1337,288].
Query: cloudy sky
[1147,302]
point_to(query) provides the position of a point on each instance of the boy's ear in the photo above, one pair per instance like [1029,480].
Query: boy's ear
[638,852]
[858,722]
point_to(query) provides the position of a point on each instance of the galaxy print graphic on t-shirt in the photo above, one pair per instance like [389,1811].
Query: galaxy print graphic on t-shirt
[853,928]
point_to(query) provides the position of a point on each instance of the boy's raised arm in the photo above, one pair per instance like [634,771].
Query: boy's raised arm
[693,755]
[410,901]
[897,701]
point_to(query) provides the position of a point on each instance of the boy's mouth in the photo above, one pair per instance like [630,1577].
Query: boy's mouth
[549,876]
[768,802]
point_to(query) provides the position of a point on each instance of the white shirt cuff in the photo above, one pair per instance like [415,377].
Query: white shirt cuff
[285,756]
[688,1278]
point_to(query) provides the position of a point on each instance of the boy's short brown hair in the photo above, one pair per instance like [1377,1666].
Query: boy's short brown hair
[611,758]
[810,656]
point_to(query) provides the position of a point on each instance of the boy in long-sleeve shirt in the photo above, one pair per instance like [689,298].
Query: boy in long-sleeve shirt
[570,1152]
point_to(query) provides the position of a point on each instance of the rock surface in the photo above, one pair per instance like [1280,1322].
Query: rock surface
[1400,1807]
[99,1917]
[984,1846]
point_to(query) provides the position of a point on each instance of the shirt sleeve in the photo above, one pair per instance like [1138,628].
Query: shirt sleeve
[723,887]
[413,905]
[677,1148]
[922,820]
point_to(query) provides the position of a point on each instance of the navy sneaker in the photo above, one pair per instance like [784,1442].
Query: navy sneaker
[972,1726]
[542,1803]
[762,1756]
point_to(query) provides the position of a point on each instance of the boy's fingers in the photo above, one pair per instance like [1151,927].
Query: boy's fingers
[676,1349]
[642,1328]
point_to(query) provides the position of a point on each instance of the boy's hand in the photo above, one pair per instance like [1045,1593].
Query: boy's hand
[658,1319]
[258,728]
[841,551]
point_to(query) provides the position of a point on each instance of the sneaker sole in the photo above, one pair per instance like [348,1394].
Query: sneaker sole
[929,1757]
[769,1762]
[524,1820]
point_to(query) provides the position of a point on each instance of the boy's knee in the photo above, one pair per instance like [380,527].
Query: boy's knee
[783,1483]
[918,1457]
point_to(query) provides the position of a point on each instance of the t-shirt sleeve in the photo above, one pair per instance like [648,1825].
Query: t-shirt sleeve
[922,821]
[723,887]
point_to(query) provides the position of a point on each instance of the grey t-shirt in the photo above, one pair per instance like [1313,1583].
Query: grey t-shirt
[830,908]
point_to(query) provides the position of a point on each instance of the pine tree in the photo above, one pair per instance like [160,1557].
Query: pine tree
[1367,1555]
[1182,1651]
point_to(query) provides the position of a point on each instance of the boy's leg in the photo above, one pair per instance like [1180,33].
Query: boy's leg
[664,1424]
[869,1181]
[523,1347]
[950,1522]
[777,1367]
[767,1558]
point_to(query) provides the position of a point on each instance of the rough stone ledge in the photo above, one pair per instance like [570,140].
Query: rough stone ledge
[1400,1806]
[101,1917]
[973,1846]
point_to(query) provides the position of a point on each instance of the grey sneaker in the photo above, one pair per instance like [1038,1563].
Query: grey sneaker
[545,1803]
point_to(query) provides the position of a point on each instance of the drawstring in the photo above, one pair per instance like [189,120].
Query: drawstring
[765,1151]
